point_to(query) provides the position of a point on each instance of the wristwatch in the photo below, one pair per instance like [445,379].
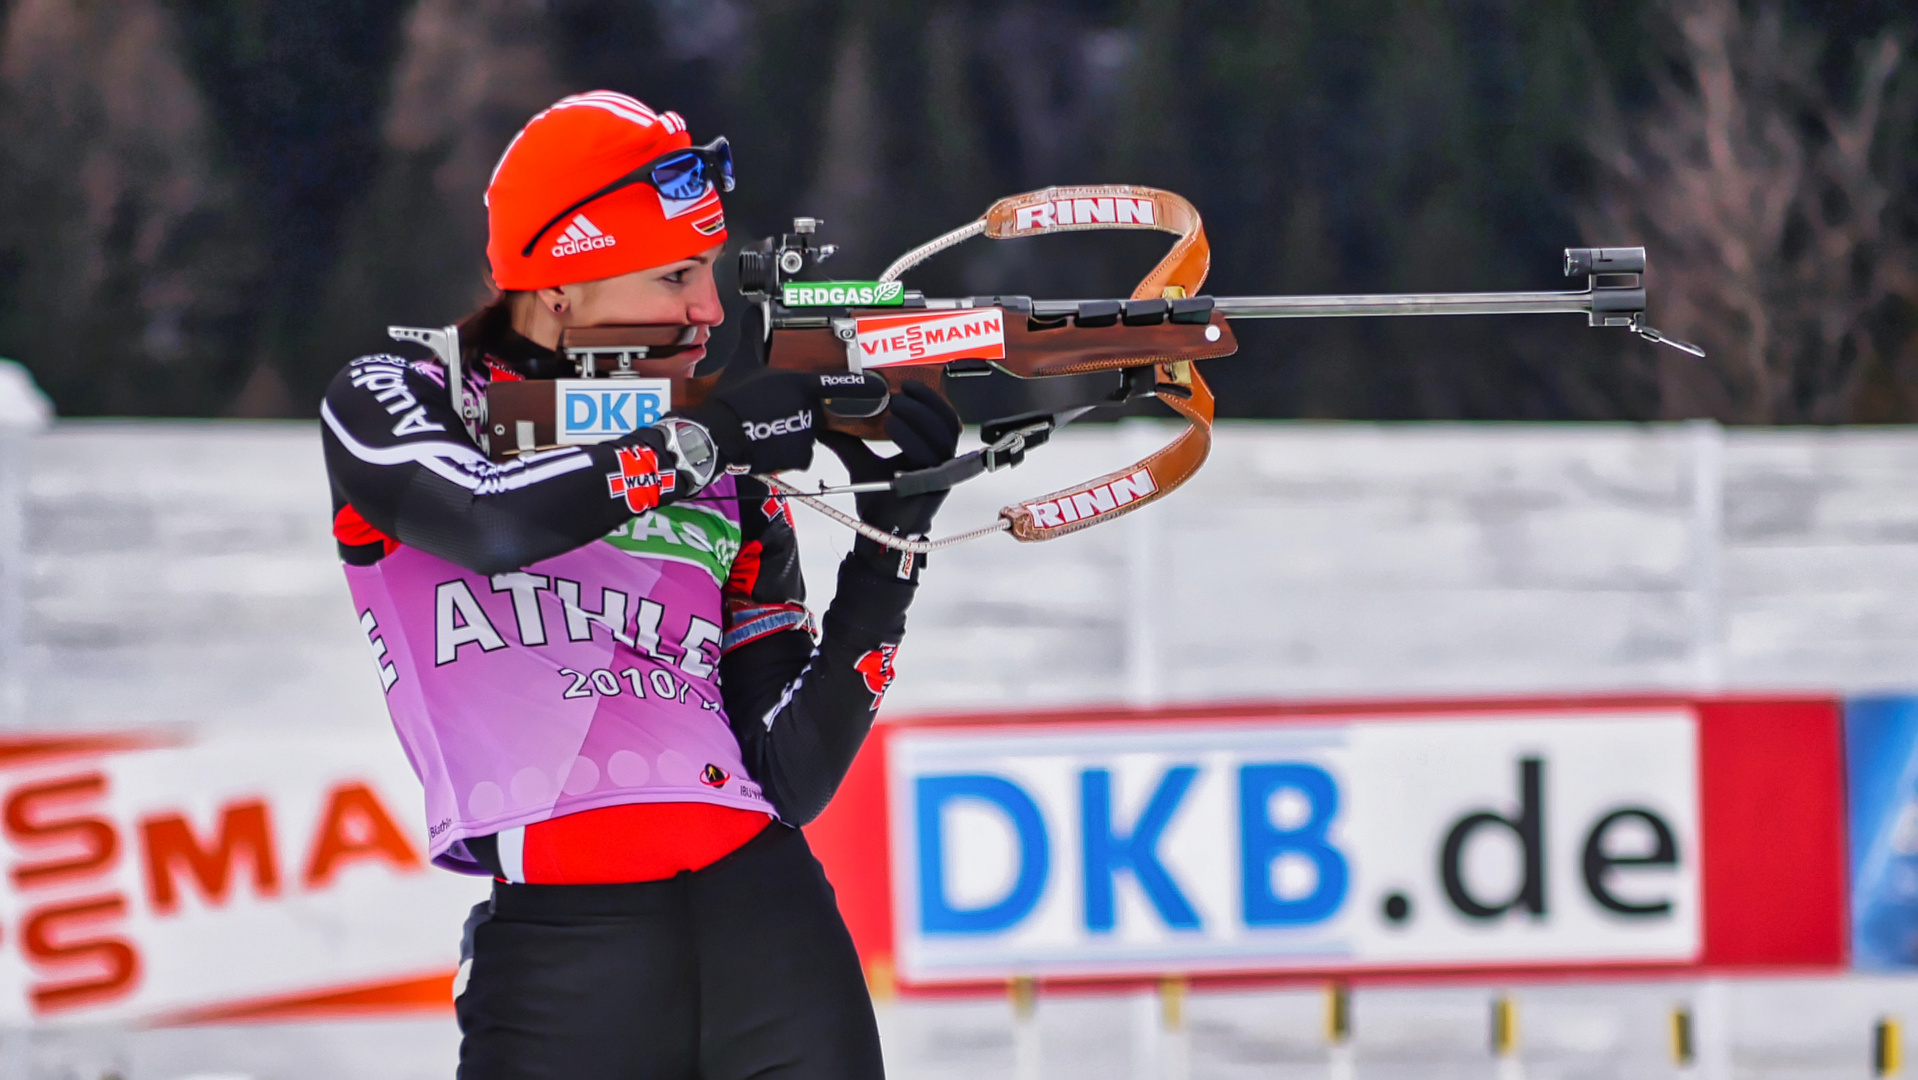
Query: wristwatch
[693,451]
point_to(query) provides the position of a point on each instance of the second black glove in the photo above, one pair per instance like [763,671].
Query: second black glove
[926,430]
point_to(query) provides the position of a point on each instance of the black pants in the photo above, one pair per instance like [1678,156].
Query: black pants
[743,969]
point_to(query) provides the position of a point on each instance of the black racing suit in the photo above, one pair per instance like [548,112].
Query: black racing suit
[743,968]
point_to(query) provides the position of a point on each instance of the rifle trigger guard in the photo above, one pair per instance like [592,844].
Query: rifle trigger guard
[1135,383]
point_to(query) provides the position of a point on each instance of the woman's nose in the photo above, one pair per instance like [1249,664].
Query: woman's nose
[704,308]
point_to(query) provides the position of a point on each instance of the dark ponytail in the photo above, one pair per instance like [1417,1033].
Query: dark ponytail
[484,326]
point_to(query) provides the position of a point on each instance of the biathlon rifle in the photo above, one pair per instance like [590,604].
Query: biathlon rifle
[1148,340]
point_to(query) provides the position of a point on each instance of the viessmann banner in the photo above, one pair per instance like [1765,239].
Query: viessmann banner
[277,878]
[1623,834]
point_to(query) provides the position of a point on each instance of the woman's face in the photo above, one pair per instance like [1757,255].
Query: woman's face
[681,293]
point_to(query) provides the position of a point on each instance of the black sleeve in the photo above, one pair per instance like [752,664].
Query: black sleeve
[399,456]
[801,709]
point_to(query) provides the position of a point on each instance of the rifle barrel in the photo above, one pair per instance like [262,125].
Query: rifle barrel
[1308,307]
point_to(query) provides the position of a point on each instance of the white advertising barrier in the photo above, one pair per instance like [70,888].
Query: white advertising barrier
[1516,840]
[235,879]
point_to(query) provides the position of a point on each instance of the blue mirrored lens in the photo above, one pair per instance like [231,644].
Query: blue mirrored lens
[682,177]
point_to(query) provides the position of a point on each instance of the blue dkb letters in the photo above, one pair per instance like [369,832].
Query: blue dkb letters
[574,422]
[1261,843]
[937,913]
[1107,853]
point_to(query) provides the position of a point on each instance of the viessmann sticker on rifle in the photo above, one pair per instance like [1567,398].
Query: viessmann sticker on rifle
[933,337]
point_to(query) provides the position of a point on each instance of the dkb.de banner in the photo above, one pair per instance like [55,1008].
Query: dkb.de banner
[1452,837]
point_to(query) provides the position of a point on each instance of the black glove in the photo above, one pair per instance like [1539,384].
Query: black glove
[767,422]
[926,430]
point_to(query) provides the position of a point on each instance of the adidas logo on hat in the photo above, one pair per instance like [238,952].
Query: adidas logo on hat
[581,235]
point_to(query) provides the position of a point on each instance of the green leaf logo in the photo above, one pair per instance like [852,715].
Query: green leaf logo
[889,292]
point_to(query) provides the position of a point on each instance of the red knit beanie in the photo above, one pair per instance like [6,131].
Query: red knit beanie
[579,145]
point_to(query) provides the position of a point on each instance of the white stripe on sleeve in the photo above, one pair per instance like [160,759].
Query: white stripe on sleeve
[463,465]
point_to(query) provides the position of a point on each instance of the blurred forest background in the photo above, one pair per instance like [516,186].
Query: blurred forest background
[208,206]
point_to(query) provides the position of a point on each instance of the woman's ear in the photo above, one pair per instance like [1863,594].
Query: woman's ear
[556,300]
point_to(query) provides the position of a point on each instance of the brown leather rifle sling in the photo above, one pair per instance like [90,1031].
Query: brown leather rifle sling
[1074,350]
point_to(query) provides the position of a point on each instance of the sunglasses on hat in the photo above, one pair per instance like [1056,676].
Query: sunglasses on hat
[680,175]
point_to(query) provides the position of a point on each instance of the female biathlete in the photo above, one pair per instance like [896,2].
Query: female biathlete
[598,658]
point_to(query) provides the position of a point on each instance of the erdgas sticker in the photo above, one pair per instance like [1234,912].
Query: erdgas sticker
[595,410]
[844,294]
[932,337]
